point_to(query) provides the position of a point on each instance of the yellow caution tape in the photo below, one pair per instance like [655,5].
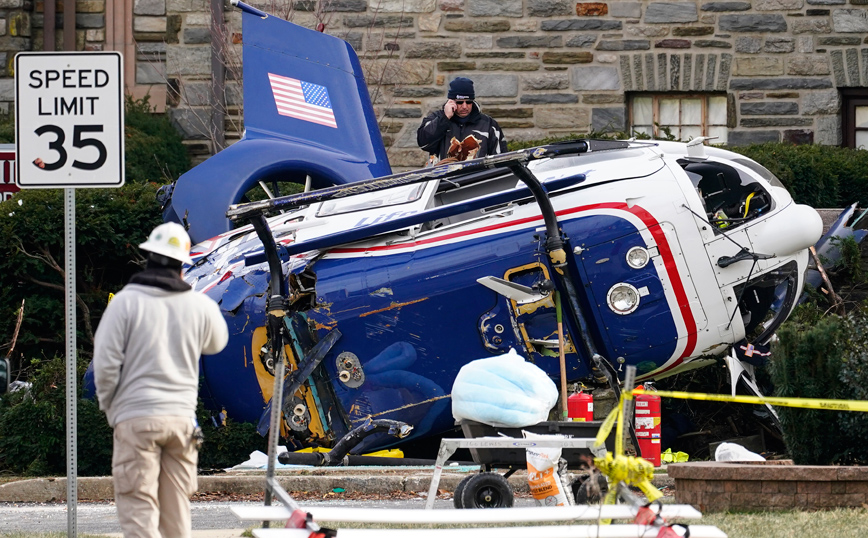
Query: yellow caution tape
[620,468]
[805,403]
[630,470]
[638,472]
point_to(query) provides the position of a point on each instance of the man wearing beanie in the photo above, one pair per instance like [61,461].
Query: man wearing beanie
[460,130]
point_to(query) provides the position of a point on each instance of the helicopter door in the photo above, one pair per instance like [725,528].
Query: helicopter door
[644,298]
[533,321]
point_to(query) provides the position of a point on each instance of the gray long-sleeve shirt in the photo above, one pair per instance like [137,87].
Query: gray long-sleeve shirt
[147,349]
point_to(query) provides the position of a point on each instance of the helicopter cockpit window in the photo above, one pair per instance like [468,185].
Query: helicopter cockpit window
[731,197]
[763,172]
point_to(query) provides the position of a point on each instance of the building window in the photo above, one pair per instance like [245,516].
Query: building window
[685,116]
[854,117]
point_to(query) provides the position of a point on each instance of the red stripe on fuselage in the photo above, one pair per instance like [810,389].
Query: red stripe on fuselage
[668,261]
[637,211]
[438,239]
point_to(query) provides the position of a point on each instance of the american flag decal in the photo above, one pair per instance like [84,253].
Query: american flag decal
[302,100]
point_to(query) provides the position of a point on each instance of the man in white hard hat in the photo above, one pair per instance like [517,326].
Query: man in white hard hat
[146,371]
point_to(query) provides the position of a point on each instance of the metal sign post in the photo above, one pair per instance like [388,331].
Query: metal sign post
[71,364]
[69,133]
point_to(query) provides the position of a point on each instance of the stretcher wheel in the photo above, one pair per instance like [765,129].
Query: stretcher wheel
[459,489]
[486,490]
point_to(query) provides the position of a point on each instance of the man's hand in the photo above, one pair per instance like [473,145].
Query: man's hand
[449,108]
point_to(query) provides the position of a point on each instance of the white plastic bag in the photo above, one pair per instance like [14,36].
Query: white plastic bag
[544,479]
[734,452]
[504,391]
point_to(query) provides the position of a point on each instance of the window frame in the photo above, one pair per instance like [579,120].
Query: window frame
[655,109]
[850,99]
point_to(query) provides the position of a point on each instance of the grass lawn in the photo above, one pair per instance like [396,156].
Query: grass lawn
[837,523]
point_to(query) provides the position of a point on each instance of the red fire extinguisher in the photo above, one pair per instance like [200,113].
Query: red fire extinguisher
[648,426]
[580,407]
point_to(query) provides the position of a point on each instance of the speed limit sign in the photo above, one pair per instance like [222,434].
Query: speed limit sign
[69,120]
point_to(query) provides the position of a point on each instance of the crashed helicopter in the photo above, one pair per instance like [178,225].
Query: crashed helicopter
[661,255]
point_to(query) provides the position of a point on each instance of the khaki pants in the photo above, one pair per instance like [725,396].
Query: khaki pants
[154,475]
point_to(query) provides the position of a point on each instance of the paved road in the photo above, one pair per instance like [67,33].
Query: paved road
[101,518]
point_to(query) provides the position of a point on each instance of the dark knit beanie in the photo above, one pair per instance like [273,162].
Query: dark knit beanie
[461,88]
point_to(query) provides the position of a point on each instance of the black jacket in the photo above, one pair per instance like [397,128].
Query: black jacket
[436,133]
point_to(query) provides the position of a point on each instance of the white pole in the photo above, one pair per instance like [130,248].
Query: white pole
[71,370]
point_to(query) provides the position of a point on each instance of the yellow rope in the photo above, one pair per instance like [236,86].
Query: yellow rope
[618,467]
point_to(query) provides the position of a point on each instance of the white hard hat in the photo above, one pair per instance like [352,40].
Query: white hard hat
[169,240]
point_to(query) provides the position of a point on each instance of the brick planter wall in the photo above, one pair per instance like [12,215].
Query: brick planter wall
[721,486]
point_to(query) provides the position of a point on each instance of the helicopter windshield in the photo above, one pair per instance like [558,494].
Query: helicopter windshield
[731,196]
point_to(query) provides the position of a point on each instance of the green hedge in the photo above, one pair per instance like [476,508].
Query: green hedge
[820,356]
[110,224]
[154,149]
[33,426]
[819,176]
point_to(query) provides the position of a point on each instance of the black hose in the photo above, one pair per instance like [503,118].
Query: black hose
[278,284]
[346,443]
[555,249]
[553,233]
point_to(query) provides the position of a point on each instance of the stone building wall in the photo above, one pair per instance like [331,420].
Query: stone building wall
[22,28]
[552,67]
[152,34]
[541,67]
[15,36]
[188,66]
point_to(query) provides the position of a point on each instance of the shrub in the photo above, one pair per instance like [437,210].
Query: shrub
[154,149]
[823,358]
[33,427]
[227,444]
[33,430]
[819,176]
[854,375]
[7,129]
[110,225]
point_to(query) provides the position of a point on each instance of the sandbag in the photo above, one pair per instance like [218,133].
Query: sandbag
[504,391]
[546,473]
